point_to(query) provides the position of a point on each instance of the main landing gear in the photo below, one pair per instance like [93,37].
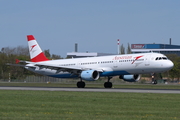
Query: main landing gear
[108,84]
[81,84]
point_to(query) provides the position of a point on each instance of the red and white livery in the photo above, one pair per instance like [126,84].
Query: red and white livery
[35,51]
[128,67]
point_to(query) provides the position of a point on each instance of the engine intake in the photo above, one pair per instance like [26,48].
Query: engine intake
[90,75]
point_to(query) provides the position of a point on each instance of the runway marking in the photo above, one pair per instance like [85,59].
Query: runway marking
[93,90]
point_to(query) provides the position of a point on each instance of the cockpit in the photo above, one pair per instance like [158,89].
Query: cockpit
[161,58]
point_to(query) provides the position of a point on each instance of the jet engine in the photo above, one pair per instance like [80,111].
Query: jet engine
[130,78]
[89,75]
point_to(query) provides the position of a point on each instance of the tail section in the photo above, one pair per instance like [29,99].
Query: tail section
[35,51]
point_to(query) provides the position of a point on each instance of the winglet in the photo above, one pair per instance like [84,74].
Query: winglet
[35,51]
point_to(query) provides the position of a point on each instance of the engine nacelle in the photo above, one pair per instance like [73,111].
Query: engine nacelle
[90,75]
[130,78]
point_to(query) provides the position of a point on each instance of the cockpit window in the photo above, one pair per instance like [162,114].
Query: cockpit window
[161,58]
[164,58]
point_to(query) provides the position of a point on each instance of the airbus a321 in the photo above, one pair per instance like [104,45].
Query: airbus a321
[128,67]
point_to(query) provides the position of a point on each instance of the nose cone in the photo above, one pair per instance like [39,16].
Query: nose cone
[169,65]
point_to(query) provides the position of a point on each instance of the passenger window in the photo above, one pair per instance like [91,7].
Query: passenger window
[157,58]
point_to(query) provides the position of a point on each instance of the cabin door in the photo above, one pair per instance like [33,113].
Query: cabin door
[147,60]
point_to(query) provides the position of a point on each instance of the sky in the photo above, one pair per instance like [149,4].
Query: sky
[94,24]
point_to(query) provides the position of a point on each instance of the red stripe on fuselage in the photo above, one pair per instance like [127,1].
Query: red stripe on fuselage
[39,58]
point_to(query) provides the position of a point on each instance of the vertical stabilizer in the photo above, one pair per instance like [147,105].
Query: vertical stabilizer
[35,51]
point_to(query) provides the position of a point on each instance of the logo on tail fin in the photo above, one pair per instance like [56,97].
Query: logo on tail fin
[32,47]
[36,53]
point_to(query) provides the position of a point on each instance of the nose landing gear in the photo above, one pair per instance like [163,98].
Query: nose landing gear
[153,80]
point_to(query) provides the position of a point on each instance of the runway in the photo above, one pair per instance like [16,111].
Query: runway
[94,89]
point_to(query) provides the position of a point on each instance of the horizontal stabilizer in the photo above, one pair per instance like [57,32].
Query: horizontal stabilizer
[16,65]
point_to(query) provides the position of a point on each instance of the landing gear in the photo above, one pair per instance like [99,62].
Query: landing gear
[153,80]
[81,84]
[108,84]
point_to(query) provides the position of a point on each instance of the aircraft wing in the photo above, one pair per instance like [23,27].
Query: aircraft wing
[52,66]
[63,68]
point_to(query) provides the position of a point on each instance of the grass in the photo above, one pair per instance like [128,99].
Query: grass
[59,105]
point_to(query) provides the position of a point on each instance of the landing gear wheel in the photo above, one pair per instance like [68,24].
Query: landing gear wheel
[81,84]
[155,81]
[108,84]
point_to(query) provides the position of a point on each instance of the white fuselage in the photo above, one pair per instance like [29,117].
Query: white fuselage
[142,63]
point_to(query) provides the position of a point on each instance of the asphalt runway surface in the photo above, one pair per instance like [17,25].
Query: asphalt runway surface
[94,89]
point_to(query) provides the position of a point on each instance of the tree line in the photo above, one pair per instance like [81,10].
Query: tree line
[10,54]
[123,50]
[174,73]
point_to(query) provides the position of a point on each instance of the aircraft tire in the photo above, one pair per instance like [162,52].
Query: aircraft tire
[155,81]
[108,84]
[81,84]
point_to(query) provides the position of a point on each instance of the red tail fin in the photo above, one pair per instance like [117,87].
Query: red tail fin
[36,53]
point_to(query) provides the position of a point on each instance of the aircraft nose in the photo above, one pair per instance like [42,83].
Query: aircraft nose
[170,65]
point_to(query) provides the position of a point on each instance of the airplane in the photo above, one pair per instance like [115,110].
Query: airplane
[128,67]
